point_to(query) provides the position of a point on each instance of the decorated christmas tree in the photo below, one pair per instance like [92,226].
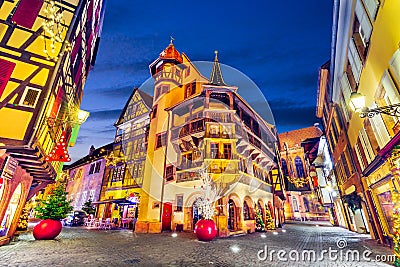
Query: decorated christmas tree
[268,219]
[55,206]
[260,226]
[88,207]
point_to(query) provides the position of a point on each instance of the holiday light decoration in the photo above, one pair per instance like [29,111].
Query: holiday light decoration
[297,181]
[59,152]
[210,194]
[53,30]
[112,160]
[395,160]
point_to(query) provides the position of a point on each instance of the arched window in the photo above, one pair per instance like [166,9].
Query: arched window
[295,205]
[284,168]
[299,167]
[246,211]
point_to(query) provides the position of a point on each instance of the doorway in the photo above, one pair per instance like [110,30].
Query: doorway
[196,212]
[166,216]
[231,215]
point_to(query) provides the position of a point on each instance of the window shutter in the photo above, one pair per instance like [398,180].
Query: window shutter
[365,25]
[395,65]
[372,7]
[379,128]
[6,69]
[355,61]
[390,89]
[366,144]
[27,12]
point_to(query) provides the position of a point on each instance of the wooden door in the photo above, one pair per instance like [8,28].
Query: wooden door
[166,217]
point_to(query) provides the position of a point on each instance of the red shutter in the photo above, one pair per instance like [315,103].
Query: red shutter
[57,103]
[6,69]
[26,13]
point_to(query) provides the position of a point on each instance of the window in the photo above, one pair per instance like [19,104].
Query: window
[299,167]
[30,97]
[246,211]
[179,202]
[6,69]
[154,113]
[295,204]
[78,174]
[169,173]
[190,89]
[140,170]
[161,140]
[91,194]
[213,150]
[227,151]
[91,168]
[162,89]
[284,168]
[98,165]
[118,173]
[214,130]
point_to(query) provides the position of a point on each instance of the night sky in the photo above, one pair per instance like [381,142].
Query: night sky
[279,45]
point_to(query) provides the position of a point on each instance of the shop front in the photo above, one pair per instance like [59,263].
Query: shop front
[14,188]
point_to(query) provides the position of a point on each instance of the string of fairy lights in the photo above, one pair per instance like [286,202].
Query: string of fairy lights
[53,30]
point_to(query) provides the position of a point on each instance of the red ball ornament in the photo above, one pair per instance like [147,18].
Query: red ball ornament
[47,229]
[205,230]
[59,204]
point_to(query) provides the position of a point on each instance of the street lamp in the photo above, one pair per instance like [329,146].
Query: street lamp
[357,104]
[73,118]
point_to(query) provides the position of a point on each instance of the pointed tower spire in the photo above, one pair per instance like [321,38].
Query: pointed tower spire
[216,74]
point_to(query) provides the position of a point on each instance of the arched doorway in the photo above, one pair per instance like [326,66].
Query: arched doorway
[10,213]
[231,215]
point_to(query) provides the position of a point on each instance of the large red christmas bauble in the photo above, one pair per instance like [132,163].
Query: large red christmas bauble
[205,230]
[47,229]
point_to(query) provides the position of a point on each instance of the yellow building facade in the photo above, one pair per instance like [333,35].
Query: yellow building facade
[199,124]
[367,61]
[46,51]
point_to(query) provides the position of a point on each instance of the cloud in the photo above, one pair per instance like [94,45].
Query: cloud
[104,115]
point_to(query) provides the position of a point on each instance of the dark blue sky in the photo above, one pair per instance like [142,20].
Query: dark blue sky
[279,45]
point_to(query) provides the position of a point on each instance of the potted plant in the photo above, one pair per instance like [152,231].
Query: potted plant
[54,208]
[206,229]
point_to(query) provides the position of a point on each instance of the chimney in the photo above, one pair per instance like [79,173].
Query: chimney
[91,150]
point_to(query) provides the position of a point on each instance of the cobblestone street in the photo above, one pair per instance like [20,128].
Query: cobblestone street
[86,247]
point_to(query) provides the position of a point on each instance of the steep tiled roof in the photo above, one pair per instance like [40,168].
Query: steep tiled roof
[96,154]
[295,137]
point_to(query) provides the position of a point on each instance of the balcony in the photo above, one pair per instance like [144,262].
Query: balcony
[171,74]
[189,165]
[195,128]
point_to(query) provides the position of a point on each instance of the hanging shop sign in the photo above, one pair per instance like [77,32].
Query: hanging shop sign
[59,152]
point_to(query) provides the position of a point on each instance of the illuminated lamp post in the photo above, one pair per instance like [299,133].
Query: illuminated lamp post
[357,104]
